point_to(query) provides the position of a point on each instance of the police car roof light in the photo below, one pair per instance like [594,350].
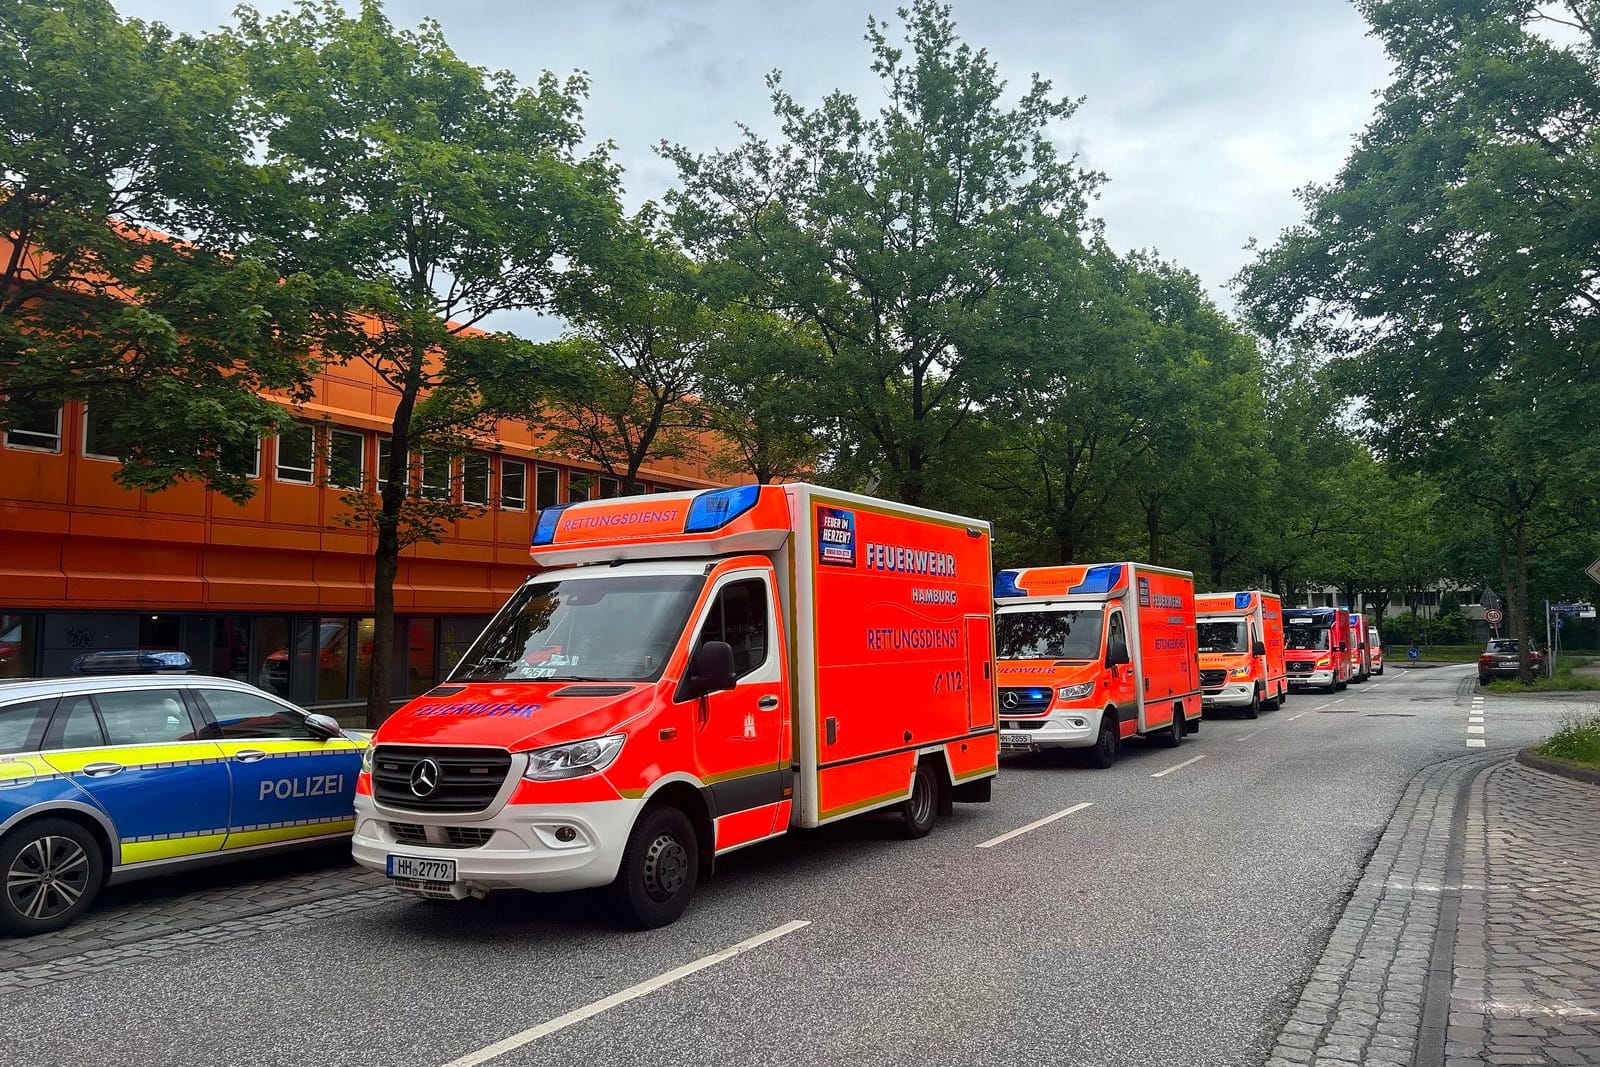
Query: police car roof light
[715,508]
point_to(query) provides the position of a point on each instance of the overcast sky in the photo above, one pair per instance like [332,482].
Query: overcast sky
[1206,116]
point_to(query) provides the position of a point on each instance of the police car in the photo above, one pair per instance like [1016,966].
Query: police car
[107,779]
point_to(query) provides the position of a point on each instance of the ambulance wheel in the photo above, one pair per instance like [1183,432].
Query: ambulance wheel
[1106,745]
[918,812]
[660,868]
[1172,736]
[53,869]
[1194,723]
[1254,710]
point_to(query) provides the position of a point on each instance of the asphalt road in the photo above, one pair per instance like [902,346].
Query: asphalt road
[1172,920]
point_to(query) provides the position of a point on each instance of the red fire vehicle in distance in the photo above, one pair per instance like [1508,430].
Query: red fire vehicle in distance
[1092,655]
[1241,651]
[1360,650]
[687,674]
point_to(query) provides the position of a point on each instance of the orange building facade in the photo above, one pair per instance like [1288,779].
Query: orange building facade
[276,591]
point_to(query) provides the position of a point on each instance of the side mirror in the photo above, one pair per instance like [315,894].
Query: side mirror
[1259,649]
[324,726]
[712,670]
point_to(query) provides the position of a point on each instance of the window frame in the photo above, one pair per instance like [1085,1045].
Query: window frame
[84,424]
[43,714]
[607,487]
[59,434]
[213,727]
[361,457]
[447,491]
[386,442]
[467,461]
[539,471]
[509,462]
[277,456]
[767,621]
[588,490]
[254,471]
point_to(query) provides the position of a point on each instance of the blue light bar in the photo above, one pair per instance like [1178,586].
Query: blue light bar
[715,508]
[1005,584]
[1241,600]
[545,532]
[1100,579]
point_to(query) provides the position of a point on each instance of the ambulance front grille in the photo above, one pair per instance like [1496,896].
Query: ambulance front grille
[462,779]
[1213,679]
[1025,701]
[1297,666]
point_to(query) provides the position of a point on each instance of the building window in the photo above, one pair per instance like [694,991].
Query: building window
[347,459]
[37,426]
[97,435]
[513,484]
[386,446]
[475,478]
[297,454]
[548,485]
[578,486]
[245,462]
[636,489]
[609,487]
[436,474]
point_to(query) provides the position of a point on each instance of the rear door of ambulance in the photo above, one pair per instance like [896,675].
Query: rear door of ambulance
[1272,637]
[1170,674]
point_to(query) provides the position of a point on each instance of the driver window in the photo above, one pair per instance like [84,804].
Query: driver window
[739,617]
[1116,637]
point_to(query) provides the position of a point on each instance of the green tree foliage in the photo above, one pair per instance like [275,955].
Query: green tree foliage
[424,194]
[900,239]
[121,280]
[1451,266]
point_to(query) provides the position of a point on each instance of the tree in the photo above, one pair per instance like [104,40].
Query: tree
[1450,269]
[897,238]
[424,194]
[120,282]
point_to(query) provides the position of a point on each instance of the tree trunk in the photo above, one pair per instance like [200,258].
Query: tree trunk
[386,558]
[1065,543]
[1519,604]
[1152,526]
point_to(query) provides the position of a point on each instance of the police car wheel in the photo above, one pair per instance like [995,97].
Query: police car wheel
[917,813]
[53,869]
[660,869]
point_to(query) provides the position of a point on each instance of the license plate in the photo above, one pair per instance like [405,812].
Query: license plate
[422,870]
[1015,739]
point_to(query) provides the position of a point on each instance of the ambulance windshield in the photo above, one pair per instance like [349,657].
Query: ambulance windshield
[1222,637]
[1305,638]
[1049,634]
[618,628]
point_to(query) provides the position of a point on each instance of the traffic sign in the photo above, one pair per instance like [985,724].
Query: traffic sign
[1493,616]
[1593,570]
[1412,653]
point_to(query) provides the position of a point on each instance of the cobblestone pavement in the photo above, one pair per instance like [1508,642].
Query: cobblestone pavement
[1526,981]
[142,911]
[1481,955]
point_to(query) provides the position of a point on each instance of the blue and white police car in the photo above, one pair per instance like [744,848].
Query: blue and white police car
[107,779]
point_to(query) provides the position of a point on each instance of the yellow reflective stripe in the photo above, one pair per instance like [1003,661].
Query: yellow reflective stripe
[336,746]
[24,769]
[288,833]
[71,761]
[170,848]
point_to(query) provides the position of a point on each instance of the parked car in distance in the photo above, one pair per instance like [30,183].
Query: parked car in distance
[110,778]
[1375,642]
[1502,659]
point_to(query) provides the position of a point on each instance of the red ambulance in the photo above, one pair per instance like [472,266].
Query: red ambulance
[1092,655]
[1241,651]
[1317,647]
[685,675]
[1360,651]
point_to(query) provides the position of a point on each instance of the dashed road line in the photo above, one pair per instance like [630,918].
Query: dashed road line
[1034,825]
[1248,736]
[1477,742]
[1474,729]
[633,992]
[1178,767]
[1292,718]
[1319,707]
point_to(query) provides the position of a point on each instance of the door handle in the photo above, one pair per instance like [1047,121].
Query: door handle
[249,755]
[102,770]
[767,703]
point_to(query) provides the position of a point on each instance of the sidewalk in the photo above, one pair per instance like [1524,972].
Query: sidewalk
[1473,937]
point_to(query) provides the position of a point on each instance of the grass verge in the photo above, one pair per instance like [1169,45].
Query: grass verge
[1564,682]
[1577,743]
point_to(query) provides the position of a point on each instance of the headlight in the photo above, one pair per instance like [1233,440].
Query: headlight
[1075,692]
[574,760]
[1239,672]
[366,760]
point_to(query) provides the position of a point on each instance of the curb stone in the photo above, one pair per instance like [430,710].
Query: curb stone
[1532,759]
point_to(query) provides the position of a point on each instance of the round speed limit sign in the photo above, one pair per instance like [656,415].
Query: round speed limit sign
[1493,616]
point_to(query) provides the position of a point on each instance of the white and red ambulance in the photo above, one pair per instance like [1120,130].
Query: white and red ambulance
[685,675]
[1090,655]
[1241,651]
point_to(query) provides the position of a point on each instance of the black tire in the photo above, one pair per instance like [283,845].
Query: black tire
[660,869]
[1254,710]
[922,806]
[1194,723]
[1379,672]
[1172,736]
[52,871]
[1108,743]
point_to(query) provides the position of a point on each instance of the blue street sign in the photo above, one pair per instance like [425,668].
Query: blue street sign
[1560,622]
[1412,653]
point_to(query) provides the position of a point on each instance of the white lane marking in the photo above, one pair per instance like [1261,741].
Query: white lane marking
[1248,736]
[1474,729]
[1341,700]
[1035,824]
[589,1011]
[1292,718]
[1477,742]
[1178,767]
[1475,718]
[1319,707]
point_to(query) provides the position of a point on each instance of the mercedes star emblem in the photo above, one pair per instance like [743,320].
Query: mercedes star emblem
[424,778]
[1009,700]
